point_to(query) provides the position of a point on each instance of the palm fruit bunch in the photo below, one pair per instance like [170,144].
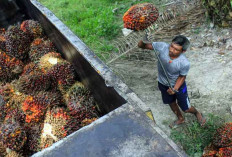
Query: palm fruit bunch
[10,67]
[219,11]
[55,122]
[31,69]
[33,83]
[63,76]
[40,47]
[2,40]
[223,136]
[225,152]
[49,60]
[140,16]
[17,43]
[34,107]
[81,106]
[13,135]
[221,145]
[32,28]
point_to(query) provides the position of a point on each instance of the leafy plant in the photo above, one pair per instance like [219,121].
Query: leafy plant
[194,138]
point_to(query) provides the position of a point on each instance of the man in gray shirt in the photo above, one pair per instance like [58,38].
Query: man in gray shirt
[177,67]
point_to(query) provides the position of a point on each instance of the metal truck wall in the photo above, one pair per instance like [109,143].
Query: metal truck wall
[107,97]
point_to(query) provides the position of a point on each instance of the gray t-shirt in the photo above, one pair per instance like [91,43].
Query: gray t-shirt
[178,66]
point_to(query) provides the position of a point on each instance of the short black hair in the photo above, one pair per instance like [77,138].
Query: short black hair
[182,41]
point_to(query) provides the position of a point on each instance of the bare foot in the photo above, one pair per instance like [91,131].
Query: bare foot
[176,123]
[201,119]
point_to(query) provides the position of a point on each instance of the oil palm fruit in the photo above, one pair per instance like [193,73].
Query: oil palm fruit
[33,83]
[49,60]
[223,136]
[40,47]
[31,69]
[34,107]
[13,135]
[55,123]
[63,76]
[32,28]
[140,16]
[10,67]
[81,106]
[17,43]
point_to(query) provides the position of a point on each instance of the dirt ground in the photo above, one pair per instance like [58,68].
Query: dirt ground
[209,80]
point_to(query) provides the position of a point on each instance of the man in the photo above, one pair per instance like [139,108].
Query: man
[177,67]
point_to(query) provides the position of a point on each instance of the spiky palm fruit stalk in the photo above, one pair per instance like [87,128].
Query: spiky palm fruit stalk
[35,107]
[17,43]
[224,152]
[63,76]
[32,28]
[140,16]
[81,106]
[29,84]
[223,136]
[49,60]
[10,67]
[13,135]
[40,47]
[56,120]
[31,69]
[2,40]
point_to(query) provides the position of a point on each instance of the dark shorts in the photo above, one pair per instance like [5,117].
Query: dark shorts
[181,96]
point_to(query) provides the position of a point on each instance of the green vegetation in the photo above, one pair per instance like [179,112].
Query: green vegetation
[195,138]
[93,21]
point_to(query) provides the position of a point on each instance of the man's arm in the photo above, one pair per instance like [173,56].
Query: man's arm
[143,45]
[180,80]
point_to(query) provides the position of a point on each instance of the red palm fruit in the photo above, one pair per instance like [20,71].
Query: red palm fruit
[40,47]
[35,107]
[10,67]
[81,106]
[32,28]
[49,60]
[63,76]
[17,43]
[2,40]
[210,151]
[223,136]
[31,69]
[54,126]
[140,16]
[13,135]
[29,84]
[225,152]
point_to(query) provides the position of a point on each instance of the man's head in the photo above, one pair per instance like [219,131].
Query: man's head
[179,45]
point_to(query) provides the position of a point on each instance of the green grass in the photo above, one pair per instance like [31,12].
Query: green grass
[194,138]
[92,20]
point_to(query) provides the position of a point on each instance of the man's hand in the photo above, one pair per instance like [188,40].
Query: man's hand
[170,91]
[141,44]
